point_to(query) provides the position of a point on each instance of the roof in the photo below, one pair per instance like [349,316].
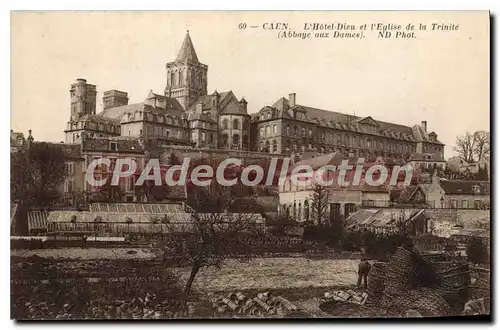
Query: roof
[124,144]
[464,187]
[319,161]
[407,193]
[125,217]
[118,112]
[100,119]
[187,52]
[14,136]
[228,103]
[72,150]
[37,220]
[114,217]
[194,115]
[381,217]
[476,232]
[170,102]
[422,135]
[164,105]
[234,108]
[137,207]
[320,115]
[426,157]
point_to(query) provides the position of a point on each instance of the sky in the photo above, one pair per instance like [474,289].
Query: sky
[441,77]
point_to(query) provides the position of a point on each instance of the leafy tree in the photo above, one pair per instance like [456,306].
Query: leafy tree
[37,174]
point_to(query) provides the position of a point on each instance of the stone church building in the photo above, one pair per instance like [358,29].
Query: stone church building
[185,114]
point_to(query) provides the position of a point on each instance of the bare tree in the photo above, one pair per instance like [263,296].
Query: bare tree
[37,174]
[319,204]
[465,146]
[212,236]
[473,147]
[481,144]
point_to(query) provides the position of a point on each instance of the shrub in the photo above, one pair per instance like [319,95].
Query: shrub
[330,234]
[477,251]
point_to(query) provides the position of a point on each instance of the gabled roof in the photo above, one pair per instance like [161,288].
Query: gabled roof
[367,120]
[381,218]
[426,157]
[465,187]
[16,135]
[228,104]
[233,107]
[187,52]
[206,101]
[118,112]
[317,162]
[100,119]
[407,193]
[421,135]
[194,115]
[165,105]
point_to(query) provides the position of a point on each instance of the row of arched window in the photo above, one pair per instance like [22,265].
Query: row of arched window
[235,140]
[266,131]
[176,78]
[267,146]
[235,124]
[342,139]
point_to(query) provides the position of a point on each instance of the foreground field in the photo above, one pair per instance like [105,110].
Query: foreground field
[270,273]
[300,280]
[274,273]
[85,254]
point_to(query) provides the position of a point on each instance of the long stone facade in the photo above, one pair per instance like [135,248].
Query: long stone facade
[185,114]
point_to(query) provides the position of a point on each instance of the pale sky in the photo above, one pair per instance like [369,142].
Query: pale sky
[441,77]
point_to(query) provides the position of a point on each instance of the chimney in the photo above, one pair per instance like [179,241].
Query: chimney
[114,98]
[424,126]
[291,100]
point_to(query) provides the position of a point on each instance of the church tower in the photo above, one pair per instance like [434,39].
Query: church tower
[186,76]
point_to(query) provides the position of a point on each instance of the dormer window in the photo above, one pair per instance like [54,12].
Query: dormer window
[113,146]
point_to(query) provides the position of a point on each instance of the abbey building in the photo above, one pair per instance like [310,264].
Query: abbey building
[185,114]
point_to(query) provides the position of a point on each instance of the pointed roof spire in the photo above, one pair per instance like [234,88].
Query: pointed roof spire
[187,52]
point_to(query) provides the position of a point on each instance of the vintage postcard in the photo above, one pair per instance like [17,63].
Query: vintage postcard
[231,164]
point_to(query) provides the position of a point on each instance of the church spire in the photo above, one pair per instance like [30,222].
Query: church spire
[187,52]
